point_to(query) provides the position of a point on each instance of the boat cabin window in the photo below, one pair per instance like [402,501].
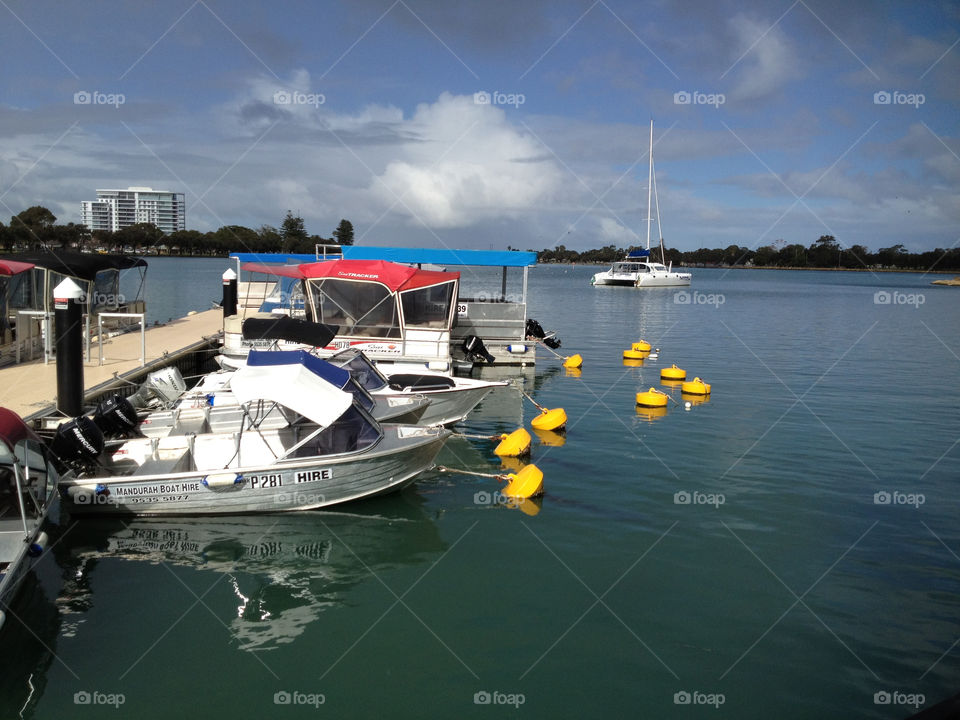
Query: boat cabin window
[427,307]
[23,290]
[353,431]
[359,308]
[106,291]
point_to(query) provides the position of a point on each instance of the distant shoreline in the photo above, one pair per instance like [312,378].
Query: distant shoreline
[779,267]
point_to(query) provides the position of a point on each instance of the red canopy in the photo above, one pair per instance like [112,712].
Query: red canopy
[12,428]
[393,275]
[12,267]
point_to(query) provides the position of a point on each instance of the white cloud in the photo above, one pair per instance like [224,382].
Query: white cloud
[770,61]
[470,164]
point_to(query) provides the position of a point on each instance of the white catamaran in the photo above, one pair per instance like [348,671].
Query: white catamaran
[637,269]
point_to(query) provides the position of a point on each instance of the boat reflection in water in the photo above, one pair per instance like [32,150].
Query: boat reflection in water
[284,570]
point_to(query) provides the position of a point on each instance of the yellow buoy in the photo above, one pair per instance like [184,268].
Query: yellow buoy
[635,354]
[695,387]
[574,361]
[515,444]
[641,346]
[550,419]
[550,438]
[628,362]
[651,399]
[673,373]
[525,484]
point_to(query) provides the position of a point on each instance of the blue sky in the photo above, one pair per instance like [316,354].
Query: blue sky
[369,110]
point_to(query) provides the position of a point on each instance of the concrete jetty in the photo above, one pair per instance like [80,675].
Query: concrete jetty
[31,387]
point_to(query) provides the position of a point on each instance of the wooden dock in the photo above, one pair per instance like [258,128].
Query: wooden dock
[31,387]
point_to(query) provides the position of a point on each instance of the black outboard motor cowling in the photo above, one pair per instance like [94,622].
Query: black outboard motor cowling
[116,417]
[535,331]
[474,348]
[77,444]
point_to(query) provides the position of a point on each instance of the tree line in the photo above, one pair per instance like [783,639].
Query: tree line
[826,252]
[36,227]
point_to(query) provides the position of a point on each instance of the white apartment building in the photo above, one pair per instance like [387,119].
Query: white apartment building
[116,209]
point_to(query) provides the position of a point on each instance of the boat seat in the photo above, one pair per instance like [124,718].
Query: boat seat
[416,382]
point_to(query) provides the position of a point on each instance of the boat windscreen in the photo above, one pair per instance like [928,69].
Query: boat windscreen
[106,291]
[360,308]
[427,306]
[353,431]
[360,367]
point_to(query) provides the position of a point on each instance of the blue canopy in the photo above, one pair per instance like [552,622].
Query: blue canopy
[407,256]
[638,254]
[442,256]
[337,377]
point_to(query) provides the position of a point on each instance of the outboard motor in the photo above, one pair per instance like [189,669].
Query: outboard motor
[116,417]
[161,388]
[535,331]
[77,444]
[473,347]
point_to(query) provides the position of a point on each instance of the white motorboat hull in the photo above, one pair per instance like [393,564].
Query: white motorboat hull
[453,405]
[282,486]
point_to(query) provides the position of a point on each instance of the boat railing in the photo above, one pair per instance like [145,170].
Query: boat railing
[142,319]
[24,319]
[328,252]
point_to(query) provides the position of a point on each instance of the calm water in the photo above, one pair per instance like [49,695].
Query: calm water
[782,589]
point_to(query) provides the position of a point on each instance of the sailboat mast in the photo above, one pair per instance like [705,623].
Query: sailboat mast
[649,183]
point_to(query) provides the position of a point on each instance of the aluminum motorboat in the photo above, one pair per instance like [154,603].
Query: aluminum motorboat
[293,441]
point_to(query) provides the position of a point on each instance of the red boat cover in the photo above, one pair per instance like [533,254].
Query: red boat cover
[12,267]
[12,429]
[393,275]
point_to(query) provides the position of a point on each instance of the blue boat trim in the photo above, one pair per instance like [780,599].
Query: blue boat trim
[407,256]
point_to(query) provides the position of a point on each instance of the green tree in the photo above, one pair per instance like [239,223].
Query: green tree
[35,218]
[825,252]
[892,256]
[140,237]
[344,233]
[292,231]
[270,239]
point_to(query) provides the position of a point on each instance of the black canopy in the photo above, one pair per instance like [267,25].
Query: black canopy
[287,328]
[76,264]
